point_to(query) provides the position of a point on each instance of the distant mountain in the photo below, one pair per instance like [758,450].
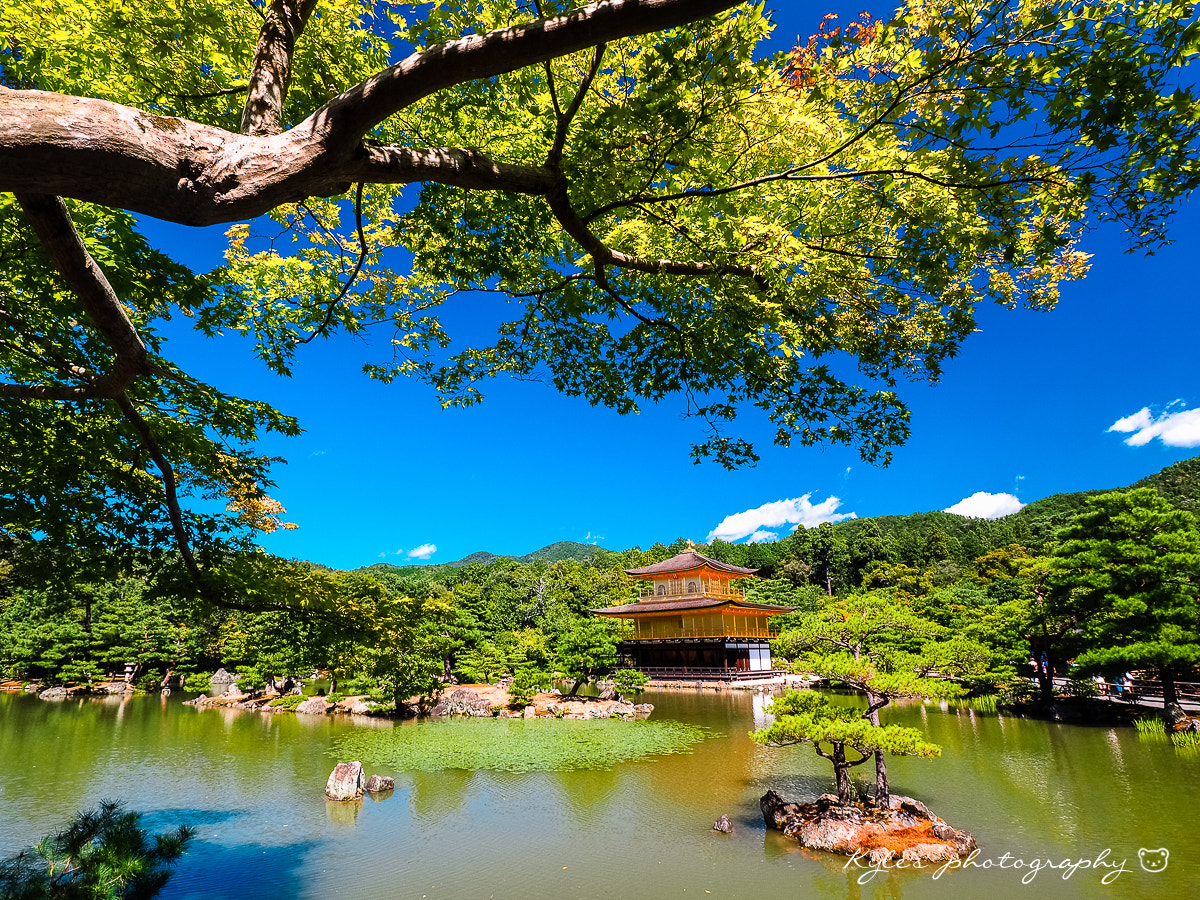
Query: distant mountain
[549,554]
[1179,484]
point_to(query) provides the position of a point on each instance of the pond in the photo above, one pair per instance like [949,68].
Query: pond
[253,785]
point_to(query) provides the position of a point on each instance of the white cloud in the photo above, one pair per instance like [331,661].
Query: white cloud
[423,552]
[1175,429]
[796,511]
[982,505]
[760,537]
[593,538]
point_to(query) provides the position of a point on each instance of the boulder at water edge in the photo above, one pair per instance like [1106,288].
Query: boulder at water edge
[907,830]
[345,782]
[723,825]
[377,783]
[314,706]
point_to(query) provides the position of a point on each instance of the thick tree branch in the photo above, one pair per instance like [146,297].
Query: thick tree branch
[354,113]
[272,69]
[194,174]
[459,167]
[52,223]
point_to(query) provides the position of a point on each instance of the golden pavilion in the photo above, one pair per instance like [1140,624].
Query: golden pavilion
[693,620]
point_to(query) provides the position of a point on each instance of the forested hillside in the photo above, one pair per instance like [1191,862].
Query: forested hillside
[398,630]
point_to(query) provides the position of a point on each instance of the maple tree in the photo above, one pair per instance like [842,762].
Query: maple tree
[671,213]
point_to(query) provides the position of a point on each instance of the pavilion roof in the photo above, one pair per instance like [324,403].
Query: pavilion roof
[650,606]
[687,561]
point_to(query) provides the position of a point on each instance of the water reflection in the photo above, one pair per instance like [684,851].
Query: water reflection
[343,812]
[253,783]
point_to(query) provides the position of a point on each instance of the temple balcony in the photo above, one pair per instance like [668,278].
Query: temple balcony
[691,588]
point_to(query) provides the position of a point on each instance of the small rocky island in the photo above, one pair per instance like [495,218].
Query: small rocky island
[483,700]
[473,700]
[907,830]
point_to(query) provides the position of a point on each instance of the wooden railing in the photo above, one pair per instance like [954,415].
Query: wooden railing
[655,629]
[703,588]
[698,672]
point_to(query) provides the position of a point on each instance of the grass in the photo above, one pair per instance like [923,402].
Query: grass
[1150,728]
[984,703]
[518,745]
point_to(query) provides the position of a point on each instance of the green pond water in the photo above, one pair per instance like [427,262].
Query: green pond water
[253,783]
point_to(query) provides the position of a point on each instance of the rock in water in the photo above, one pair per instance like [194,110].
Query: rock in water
[345,782]
[221,677]
[907,830]
[723,825]
[377,783]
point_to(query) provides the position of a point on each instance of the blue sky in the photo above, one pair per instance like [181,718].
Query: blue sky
[383,473]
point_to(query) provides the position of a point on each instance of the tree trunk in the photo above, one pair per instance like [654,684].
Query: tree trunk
[580,680]
[841,772]
[1046,684]
[1170,695]
[883,791]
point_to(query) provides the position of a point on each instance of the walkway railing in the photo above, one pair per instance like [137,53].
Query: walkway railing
[687,673]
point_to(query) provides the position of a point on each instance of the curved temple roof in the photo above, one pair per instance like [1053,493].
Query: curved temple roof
[652,606]
[685,562]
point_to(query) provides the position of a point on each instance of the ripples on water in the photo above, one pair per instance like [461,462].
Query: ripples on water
[253,785]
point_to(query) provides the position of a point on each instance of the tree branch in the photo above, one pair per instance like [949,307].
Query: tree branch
[272,69]
[171,490]
[572,224]
[52,223]
[183,171]
[554,157]
[349,116]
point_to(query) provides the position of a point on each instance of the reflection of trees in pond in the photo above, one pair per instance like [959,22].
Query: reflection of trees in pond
[435,795]
[584,796]
[343,812]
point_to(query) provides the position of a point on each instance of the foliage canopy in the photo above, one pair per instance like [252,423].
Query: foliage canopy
[669,212]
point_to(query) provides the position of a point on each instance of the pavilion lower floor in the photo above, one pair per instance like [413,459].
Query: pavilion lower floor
[729,659]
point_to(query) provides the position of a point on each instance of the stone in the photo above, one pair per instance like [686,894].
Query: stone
[530,712]
[620,708]
[596,712]
[313,706]
[377,783]
[641,710]
[1176,718]
[723,825]
[775,810]
[54,693]
[361,708]
[608,694]
[462,702]
[907,830]
[221,677]
[345,782]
